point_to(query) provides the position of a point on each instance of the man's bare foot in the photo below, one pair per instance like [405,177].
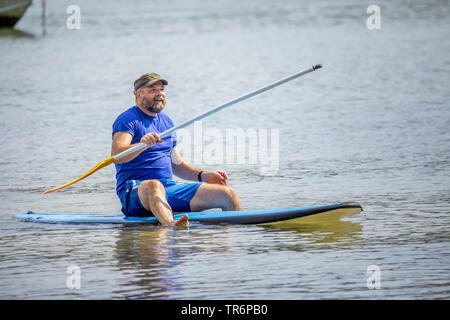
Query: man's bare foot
[182,222]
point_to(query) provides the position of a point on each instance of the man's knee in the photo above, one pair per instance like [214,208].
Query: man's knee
[231,200]
[230,193]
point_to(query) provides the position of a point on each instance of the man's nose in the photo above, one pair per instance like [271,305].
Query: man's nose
[160,95]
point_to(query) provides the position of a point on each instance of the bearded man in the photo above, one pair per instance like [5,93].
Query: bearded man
[144,178]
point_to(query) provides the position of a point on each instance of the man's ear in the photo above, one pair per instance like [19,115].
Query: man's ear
[138,94]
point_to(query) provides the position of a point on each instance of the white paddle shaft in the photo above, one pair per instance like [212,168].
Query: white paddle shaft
[218,108]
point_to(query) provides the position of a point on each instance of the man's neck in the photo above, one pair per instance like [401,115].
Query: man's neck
[151,114]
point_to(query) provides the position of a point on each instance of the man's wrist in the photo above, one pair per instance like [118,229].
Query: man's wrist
[199,176]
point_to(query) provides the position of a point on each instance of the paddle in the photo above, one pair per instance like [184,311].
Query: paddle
[125,153]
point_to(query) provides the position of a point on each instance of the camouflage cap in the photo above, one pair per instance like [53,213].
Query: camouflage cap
[147,80]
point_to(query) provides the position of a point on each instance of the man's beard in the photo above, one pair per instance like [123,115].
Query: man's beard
[154,108]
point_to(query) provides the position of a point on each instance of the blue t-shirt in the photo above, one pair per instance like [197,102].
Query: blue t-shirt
[152,163]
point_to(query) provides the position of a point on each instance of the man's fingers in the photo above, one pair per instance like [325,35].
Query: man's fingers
[224,176]
[157,138]
[151,138]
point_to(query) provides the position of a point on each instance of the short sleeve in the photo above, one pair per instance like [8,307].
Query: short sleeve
[124,123]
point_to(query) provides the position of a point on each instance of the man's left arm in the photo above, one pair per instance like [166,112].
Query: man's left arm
[186,171]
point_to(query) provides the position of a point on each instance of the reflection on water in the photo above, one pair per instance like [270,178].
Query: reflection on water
[326,228]
[150,256]
[14,33]
[150,252]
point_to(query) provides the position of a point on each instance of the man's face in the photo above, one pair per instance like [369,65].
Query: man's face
[153,98]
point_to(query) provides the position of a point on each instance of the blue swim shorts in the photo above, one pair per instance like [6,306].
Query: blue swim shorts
[177,195]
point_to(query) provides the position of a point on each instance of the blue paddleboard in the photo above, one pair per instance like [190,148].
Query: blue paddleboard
[268,216]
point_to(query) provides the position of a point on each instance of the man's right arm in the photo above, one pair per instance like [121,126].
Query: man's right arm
[122,141]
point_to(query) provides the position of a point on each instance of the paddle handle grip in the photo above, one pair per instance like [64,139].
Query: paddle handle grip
[220,107]
[140,145]
[129,151]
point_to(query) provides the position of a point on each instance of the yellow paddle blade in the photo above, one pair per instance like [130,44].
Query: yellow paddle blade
[102,164]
